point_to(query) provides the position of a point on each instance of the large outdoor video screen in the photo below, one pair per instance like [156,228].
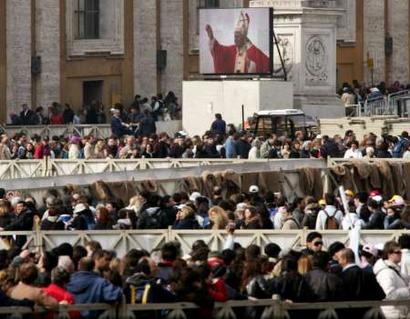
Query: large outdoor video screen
[236,41]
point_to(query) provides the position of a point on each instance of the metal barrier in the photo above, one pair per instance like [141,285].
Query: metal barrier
[97,130]
[270,309]
[124,240]
[14,169]
[353,110]
[394,98]
[376,106]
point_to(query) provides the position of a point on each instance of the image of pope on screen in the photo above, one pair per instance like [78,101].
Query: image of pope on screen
[235,41]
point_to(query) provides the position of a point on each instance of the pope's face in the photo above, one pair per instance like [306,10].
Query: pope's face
[239,39]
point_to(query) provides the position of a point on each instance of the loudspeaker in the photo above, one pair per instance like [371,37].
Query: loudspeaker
[388,46]
[161,59]
[35,65]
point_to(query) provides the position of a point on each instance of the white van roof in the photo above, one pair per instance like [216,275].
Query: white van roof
[282,112]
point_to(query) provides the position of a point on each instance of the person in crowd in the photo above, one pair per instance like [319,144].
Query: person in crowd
[26,289]
[324,285]
[329,217]
[353,151]
[395,284]
[185,219]
[60,277]
[218,125]
[314,243]
[88,287]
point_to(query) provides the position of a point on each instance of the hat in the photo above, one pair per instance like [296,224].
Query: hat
[318,136]
[348,192]
[397,200]
[194,196]
[79,208]
[66,263]
[370,249]
[253,189]
[374,90]
[322,202]
[374,193]
[377,198]
[241,206]
[214,261]
[75,139]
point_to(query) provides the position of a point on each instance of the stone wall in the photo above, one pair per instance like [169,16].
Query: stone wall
[399,30]
[48,47]
[18,55]
[145,47]
[373,34]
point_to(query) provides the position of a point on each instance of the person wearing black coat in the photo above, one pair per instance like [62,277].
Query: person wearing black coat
[357,284]
[325,286]
[6,301]
[291,285]
[376,219]
[49,224]
[5,219]
[161,149]
[243,147]
[27,116]
[23,221]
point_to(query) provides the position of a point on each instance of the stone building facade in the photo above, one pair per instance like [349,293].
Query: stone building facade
[49,53]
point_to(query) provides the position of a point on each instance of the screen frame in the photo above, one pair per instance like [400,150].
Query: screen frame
[243,75]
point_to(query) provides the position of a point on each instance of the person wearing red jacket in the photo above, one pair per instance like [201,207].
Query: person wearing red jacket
[59,279]
[217,288]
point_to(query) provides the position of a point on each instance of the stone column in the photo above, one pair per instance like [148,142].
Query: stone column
[172,40]
[48,48]
[373,37]
[145,47]
[18,32]
[306,33]
[398,28]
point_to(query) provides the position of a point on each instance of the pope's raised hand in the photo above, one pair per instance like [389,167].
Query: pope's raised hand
[210,32]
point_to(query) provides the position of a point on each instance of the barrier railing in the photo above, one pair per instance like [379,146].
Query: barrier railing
[23,169]
[393,98]
[122,241]
[376,106]
[97,130]
[269,309]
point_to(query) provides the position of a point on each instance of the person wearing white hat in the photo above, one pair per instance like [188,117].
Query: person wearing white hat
[243,56]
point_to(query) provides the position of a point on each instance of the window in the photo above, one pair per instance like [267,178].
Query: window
[208,4]
[88,19]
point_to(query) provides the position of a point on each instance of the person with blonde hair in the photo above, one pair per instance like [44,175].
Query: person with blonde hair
[218,217]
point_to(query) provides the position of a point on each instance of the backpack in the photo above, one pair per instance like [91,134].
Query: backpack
[156,220]
[400,147]
[141,294]
[331,221]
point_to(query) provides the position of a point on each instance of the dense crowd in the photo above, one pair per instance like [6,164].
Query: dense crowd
[78,210]
[89,274]
[158,108]
[220,141]
[358,93]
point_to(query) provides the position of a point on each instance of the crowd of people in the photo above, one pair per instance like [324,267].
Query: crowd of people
[90,274]
[158,108]
[358,93]
[220,141]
